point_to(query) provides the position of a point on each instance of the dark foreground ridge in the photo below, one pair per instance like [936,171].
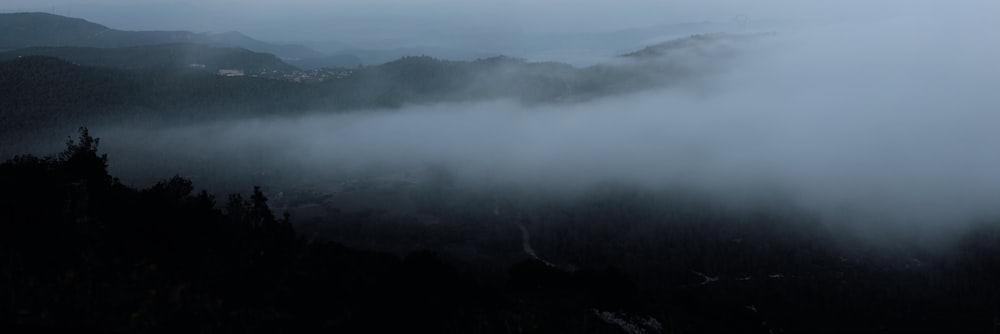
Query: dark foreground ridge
[80,251]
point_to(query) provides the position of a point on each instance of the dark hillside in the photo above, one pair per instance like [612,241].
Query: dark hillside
[23,30]
[40,29]
[83,252]
[48,94]
[163,56]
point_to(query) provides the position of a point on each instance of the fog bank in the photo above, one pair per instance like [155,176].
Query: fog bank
[890,122]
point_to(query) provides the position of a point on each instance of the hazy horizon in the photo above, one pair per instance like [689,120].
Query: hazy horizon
[489,26]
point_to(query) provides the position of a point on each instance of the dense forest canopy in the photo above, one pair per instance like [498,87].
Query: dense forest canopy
[86,252]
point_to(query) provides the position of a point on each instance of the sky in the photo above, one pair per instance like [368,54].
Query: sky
[582,32]
[291,20]
[577,32]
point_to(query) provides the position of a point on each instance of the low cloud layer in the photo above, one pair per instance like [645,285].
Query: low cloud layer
[892,121]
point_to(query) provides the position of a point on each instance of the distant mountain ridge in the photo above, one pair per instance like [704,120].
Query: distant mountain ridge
[693,42]
[23,30]
[175,56]
[46,93]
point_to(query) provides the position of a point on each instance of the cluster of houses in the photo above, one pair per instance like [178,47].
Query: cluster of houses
[305,76]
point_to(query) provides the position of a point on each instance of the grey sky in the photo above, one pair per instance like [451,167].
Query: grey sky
[575,32]
[316,20]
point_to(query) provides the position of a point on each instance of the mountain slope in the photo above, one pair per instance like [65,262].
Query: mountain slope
[41,94]
[22,30]
[40,29]
[335,61]
[695,43]
[159,56]
[287,51]
[45,93]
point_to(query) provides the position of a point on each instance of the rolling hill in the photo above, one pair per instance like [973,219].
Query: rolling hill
[23,30]
[155,83]
[159,56]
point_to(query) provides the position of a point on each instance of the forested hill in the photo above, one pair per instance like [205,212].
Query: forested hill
[176,56]
[22,30]
[41,93]
[699,44]
[19,30]
[83,252]
[48,94]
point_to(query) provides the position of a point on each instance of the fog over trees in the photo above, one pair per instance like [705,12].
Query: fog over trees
[814,167]
[885,133]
